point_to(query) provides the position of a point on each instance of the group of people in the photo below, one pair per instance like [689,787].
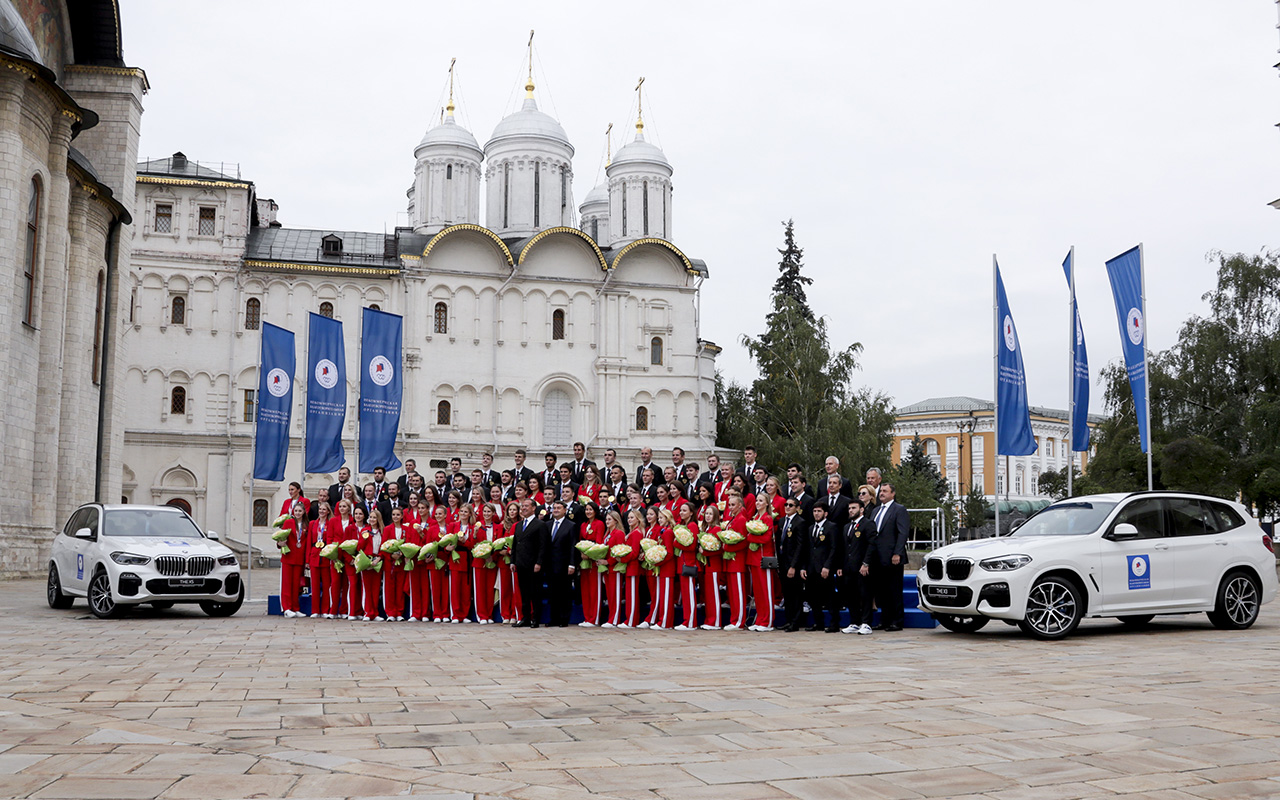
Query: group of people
[645,550]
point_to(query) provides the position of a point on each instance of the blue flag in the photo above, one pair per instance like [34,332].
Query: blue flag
[275,403]
[380,389]
[326,394]
[1080,373]
[1125,272]
[1014,438]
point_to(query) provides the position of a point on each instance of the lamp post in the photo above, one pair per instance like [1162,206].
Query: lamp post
[965,426]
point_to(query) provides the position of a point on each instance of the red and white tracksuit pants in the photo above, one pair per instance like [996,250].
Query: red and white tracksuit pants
[290,586]
[762,589]
[482,580]
[711,596]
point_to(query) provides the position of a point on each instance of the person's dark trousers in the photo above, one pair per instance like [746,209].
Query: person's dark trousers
[560,595]
[889,594]
[530,595]
[858,595]
[793,599]
[820,593]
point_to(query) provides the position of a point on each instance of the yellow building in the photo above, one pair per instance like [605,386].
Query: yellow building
[959,435]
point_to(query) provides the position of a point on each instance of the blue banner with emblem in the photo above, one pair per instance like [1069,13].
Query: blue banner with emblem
[1080,370]
[1125,272]
[1014,437]
[380,389]
[326,394]
[275,403]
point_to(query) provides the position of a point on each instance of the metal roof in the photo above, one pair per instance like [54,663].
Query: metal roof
[179,166]
[964,404]
[305,246]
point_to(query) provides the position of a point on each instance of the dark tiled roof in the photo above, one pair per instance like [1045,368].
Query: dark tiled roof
[305,246]
[178,166]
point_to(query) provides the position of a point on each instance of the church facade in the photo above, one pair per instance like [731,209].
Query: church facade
[540,325]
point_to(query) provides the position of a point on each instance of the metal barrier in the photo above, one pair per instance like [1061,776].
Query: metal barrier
[937,530]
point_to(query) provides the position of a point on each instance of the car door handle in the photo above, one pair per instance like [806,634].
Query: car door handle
[1221,542]
[1161,547]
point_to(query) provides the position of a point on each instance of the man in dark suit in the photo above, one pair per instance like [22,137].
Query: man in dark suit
[758,479]
[550,476]
[832,467]
[647,465]
[335,491]
[792,538]
[392,500]
[562,563]
[689,486]
[892,525]
[856,588]
[488,475]
[380,482]
[793,469]
[521,472]
[565,478]
[748,468]
[530,550]
[712,475]
[803,497]
[826,554]
[410,469]
[579,464]
[837,505]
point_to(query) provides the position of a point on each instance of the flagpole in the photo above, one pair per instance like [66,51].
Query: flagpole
[359,394]
[995,369]
[302,467]
[1071,372]
[1146,360]
[253,459]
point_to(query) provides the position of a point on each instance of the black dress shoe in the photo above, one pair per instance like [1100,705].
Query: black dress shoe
[522,624]
[833,630]
[813,628]
[892,628]
[562,625]
[790,628]
[533,625]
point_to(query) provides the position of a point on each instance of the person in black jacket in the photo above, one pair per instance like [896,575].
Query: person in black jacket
[529,551]
[892,526]
[563,563]
[826,555]
[837,504]
[857,591]
[792,537]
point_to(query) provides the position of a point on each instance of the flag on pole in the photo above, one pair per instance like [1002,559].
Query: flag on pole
[275,403]
[380,389]
[1080,372]
[326,394]
[1013,437]
[1125,272]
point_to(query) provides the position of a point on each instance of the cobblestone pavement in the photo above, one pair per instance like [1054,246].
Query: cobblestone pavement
[176,705]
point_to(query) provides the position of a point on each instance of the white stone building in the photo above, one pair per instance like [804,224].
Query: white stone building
[70,111]
[521,330]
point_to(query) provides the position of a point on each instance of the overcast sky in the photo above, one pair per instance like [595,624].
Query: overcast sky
[909,141]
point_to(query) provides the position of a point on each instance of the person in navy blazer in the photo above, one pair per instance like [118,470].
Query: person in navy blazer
[892,525]
[562,564]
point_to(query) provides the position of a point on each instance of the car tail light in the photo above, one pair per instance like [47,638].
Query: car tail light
[1266,540]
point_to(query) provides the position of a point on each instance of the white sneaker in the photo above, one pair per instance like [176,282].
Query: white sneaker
[466,622]
[437,619]
[368,619]
[623,625]
[731,628]
[851,628]
[710,628]
[585,624]
[606,625]
[864,630]
[643,625]
[683,628]
[453,622]
[290,614]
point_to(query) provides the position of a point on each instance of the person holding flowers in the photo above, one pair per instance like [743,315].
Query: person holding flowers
[661,560]
[394,575]
[320,572]
[592,487]
[413,510]
[353,605]
[335,532]
[437,567]
[295,496]
[508,585]
[592,532]
[370,566]
[416,580]
[733,535]
[759,547]
[459,562]
[710,548]
[627,558]
[614,535]
[453,501]
[688,565]
[293,557]
[652,536]
[484,567]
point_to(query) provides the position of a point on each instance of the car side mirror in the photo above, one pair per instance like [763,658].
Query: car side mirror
[84,533]
[1122,533]
[211,535]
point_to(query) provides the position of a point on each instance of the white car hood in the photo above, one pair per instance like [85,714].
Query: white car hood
[979,549]
[160,546]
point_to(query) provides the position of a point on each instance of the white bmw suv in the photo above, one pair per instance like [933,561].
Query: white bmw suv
[1130,556]
[118,556]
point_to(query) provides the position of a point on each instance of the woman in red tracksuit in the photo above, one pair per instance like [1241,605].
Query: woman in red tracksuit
[631,563]
[664,602]
[686,560]
[453,502]
[371,579]
[592,486]
[295,496]
[712,571]
[294,562]
[459,562]
[393,574]
[508,587]
[353,606]
[748,498]
[614,534]
[735,563]
[760,546]
[652,532]
[591,530]
[484,571]
[413,512]
[438,568]
[416,580]
[427,503]
[335,531]
[320,573]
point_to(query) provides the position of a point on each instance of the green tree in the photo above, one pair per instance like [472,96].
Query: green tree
[790,283]
[1054,484]
[919,464]
[973,511]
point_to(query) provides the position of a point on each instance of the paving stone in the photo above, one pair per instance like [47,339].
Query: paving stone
[104,787]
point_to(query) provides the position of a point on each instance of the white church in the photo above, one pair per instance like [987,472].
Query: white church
[537,326]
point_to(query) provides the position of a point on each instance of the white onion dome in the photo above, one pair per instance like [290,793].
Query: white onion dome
[449,134]
[639,151]
[597,196]
[529,121]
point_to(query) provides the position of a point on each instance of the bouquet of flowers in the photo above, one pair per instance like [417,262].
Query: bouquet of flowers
[428,550]
[484,550]
[684,536]
[331,551]
[410,552]
[620,551]
[646,543]
[756,527]
[362,562]
[390,546]
[584,545]
[349,546]
[502,544]
[280,535]
[730,536]
[709,543]
[280,520]
[584,499]
[450,540]
[722,505]
[654,556]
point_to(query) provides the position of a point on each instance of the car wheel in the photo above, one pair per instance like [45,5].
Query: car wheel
[1239,598]
[962,624]
[54,591]
[1136,620]
[1053,609]
[216,609]
[101,602]
[162,604]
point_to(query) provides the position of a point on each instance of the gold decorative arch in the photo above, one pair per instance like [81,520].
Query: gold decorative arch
[604,265]
[502,247]
[659,242]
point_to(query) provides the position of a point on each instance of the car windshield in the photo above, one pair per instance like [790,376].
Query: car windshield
[1075,518]
[150,522]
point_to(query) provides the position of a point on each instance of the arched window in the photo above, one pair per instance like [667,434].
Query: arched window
[178,502]
[646,208]
[557,418]
[252,314]
[326,309]
[375,307]
[96,367]
[448,172]
[557,324]
[642,419]
[444,413]
[537,194]
[29,254]
[261,514]
[655,350]
[178,310]
[1017,481]
[178,401]
[506,193]
[442,318]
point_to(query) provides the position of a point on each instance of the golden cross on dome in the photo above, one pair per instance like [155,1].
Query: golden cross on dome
[640,106]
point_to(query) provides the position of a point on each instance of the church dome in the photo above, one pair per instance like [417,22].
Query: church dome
[600,194]
[449,133]
[529,121]
[639,151]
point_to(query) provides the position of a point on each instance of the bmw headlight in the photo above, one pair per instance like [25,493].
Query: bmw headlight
[1004,563]
[228,561]
[129,559]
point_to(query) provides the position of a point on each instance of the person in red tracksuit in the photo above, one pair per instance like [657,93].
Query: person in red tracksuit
[295,496]
[353,606]
[760,546]
[335,530]
[739,485]
[371,579]
[631,565]
[508,586]
[316,564]
[687,560]
[459,562]
[294,562]
[652,532]
[712,571]
[393,574]
[413,513]
[453,501]
[664,601]
[416,578]
[591,530]
[614,534]
[592,486]
[484,571]
[735,563]
[438,568]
